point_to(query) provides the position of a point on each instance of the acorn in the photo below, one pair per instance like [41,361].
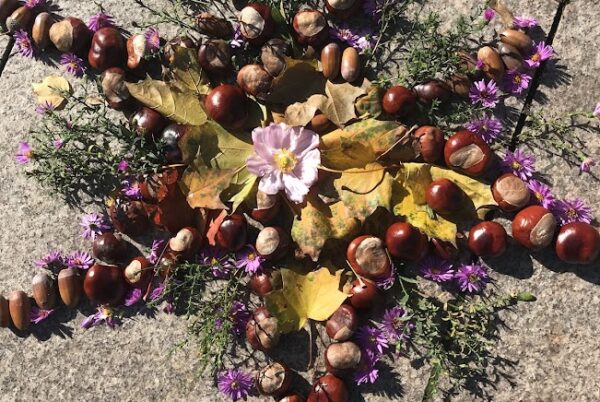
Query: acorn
[266,281]
[19,19]
[342,323]
[255,80]
[104,284]
[272,243]
[578,243]
[341,359]
[110,248]
[71,35]
[493,67]
[511,57]
[331,60]
[272,56]
[430,143]
[534,227]
[19,307]
[273,380]
[227,105]
[6,8]
[70,287]
[213,26]
[328,388]
[44,291]
[510,192]
[468,153]
[256,23]
[4,311]
[368,257]
[518,39]
[215,55]
[351,67]
[138,273]
[137,49]
[365,295]
[40,33]
[262,331]
[108,49]
[114,88]
[310,27]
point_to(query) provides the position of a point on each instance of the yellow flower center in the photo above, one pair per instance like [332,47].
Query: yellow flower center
[285,160]
[29,154]
[536,57]
[571,213]
[251,256]
[473,278]
[517,79]
[107,311]
[515,165]
[539,196]
[214,261]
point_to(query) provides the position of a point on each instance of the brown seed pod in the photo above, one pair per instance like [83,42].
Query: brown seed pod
[110,248]
[266,281]
[108,49]
[44,291]
[433,90]
[512,58]
[138,273]
[431,143]
[104,284]
[518,39]
[331,60]
[534,227]
[310,27]
[70,287]
[213,26]
[342,323]
[147,123]
[341,359]
[578,243]
[19,307]
[273,380]
[255,80]
[215,55]
[273,243]
[406,242]
[40,33]
[185,244]
[351,66]
[444,196]
[400,101]
[256,23]
[493,67]
[71,35]
[262,331]
[6,8]
[137,48]
[365,295]
[510,192]
[468,153]
[328,388]
[227,105]
[488,239]
[4,312]
[114,88]
[321,124]
[232,233]
[368,257]
[272,56]
[20,19]
[178,41]
[292,398]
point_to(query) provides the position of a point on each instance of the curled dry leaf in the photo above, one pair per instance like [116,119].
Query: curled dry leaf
[503,11]
[370,104]
[52,90]
[315,296]
[299,81]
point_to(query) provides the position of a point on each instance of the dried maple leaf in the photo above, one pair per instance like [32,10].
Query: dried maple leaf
[51,91]
[203,186]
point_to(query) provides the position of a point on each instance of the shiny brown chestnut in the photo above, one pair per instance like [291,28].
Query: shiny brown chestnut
[71,35]
[107,49]
[488,239]
[365,294]
[129,217]
[138,273]
[232,233]
[4,312]
[444,249]
[212,26]
[255,80]
[400,101]
[578,243]
[342,8]
[110,248]
[342,323]
[227,105]
[170,137]
[406,242]
[40,33]
[534,227]
[292,398]
[342,358]
[104,284]
[273,380]
[328,388]
[215,55]
[331,60]
[267,207]
[351,66]
[256,23]
[272,243]
[43,287]
[114,88]
[368,257]
[467,153]
[19,306]
[431,143]
[137,49]
[510,192]
[272,56]
[70,287]
[321,124]
[444,196]
[262,331]
[310,27]
[433,90]
[266,281]
[147,122]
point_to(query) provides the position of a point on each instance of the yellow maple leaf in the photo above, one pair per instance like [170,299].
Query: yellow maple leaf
[51,91]
[203,186]
[313,296]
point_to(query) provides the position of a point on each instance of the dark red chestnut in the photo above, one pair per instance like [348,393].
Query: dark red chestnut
[406,242]
[488,239]
[255,80]
[431,143]
[104,284]
[272,243]
[444,196]
[342,8]
[510,192]
[534,227]
[170,137]
[129,217]
[266,281]
[215,55]
[138,273]
[578,243]
[227,105]
[341,359]
[232,233]
[433,90]
[262,331]
[107,49]
[443,249]
[256,23]
[147,122]
[109,248]
[400,101]
[328,388]
[467,153]
[213,26]
[365,294]
[267,207]
[273,380]
[71,35]
[310,27]
[342,323]
[137,49]
[368,258]
[292,398]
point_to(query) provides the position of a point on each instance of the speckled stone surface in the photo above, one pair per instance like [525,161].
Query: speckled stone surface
[553,343]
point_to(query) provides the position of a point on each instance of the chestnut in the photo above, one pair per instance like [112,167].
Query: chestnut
[430,143]
[351,67]
[19,306]
[256,23]
[365,294]
[328,388]
[114,88]
[342,8]
[166,266]
[185,244]
[273,380]
[170,137]
[320,124]
[4,312]
[272,56]
[43,287]
[178,41]
[215,55]
[578,243]
[331,60]
[20,19]
[444,196]
[467,152]
[138,273]
[129,217]
[272,243]
[109,248]
[341,359]
[534,227]
[310,27]
[487,239]
[368,257]
[292,398]
[434,90]
[147,122]
[107,49]
[6,8]
[71,35]
[267,207]
[262,330]
[510,192]
[40,33]
[70,287]
[406,242]
[213,26]
[400,101]
[232,233]
[342,323]
[227,105]
[266,281]
[104,284]
[255,80]
[137,49]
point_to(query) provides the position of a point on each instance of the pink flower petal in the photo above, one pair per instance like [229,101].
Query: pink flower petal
[303,141]
[276,136]
[258,166]
[295,189]
[306,170]
[260,146]
[271,183]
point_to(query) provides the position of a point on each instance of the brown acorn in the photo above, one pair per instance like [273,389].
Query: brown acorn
[19,19]
[40,33]
[44,291]
[6,9]
[19,307]
[70,287]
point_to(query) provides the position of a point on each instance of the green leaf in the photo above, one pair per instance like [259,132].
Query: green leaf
[370,104]
[526,297]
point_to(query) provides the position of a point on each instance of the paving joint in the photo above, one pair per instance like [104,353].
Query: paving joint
[6,54]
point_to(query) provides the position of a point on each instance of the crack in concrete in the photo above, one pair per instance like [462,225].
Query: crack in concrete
[537,78]
[6,54]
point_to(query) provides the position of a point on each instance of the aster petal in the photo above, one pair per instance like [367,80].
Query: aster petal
[271,183]
[295,189]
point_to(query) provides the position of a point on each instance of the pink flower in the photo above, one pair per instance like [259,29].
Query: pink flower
[99,21]
[25,153]
[525,22]
[37,315]
[286,158]
[586,165]
[542,52]
[489,14]
[123,166]
[152,39]
[485,93]
[597,110]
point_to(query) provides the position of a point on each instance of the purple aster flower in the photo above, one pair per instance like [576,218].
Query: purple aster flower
[479,65]
[520,164]
[489,14]
[93,225]
[472,278]
[104,315]
[484,93]
[130,188]
[516,82]
[217,260]
[133,297]
[152,39]
[100,20]
[372,338]
[123,166]
[488,128]
[158,247]
[52,261]
[80,260]
[374,9]
[542,194]
[73,64]
[44,108]
[235,384]
[541,52]
[436,269]
[387,282]
[24,44]
[25,153]
[366,372]
[31,4]
[240,316]
[572,210]
[586,165]
[394,324]
[37,315]
[597,110]
[157,293]
[238,39]
[249,259]
[525,22]
[58,143]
